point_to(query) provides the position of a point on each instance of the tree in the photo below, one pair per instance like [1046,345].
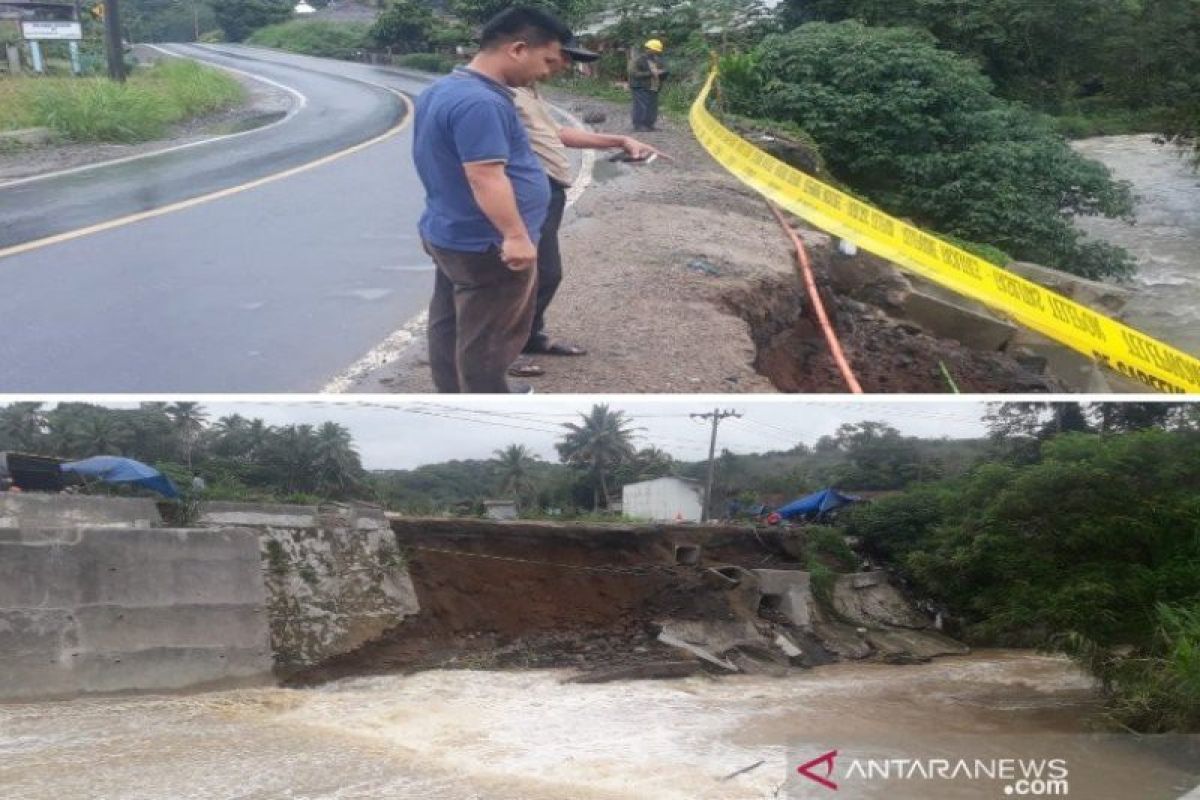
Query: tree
[916,129]
[187,419]
[600,443]
[405,25]
[95,434]
[480,11]
[239,18]
[22,425]
[336,464]
[514,466]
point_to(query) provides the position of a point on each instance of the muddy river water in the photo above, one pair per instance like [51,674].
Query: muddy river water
[1165,239]
[528,735]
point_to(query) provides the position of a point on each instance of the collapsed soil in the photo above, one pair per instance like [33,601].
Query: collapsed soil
[677,279]
[588,599]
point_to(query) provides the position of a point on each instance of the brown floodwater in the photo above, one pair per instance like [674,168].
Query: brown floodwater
[529,736]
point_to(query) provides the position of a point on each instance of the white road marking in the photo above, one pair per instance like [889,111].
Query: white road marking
[301,102]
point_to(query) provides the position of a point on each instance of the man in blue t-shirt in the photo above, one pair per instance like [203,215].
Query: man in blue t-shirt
[486,199]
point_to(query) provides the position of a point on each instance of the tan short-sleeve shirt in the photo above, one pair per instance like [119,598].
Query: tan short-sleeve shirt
[543,133]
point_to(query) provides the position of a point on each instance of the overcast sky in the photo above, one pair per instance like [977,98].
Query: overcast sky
[406,434]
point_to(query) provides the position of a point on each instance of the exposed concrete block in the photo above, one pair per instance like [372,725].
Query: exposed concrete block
[276,515]
[954,320]
[29,510]
[794,590]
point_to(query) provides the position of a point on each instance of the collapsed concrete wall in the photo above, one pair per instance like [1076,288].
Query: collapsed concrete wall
[28,510]
[334,576]
[110,610]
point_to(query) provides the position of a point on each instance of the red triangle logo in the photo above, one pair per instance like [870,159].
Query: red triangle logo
[827,759]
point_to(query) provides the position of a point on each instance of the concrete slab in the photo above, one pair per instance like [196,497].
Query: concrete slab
[113,610]
[31,510]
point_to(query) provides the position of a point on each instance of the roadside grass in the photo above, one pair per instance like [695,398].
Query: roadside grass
[314,37]
[98,110]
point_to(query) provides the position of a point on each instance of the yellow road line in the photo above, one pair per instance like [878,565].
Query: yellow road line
[59,238]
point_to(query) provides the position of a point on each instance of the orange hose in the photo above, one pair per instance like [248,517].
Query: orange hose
[835,347]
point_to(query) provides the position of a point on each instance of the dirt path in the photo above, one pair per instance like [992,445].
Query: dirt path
[264,104]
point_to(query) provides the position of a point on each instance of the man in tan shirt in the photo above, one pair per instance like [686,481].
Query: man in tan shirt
[549,141]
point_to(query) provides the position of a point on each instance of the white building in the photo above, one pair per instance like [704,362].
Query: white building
[500,509]
[663,499]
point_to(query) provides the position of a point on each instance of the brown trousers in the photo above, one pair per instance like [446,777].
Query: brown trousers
[479,319]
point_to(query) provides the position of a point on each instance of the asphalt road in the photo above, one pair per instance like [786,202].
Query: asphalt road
[273,288]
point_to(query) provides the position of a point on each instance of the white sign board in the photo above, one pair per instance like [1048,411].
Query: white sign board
[51,31]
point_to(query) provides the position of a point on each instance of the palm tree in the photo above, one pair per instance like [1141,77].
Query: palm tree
[94,434]
[599,444]
[21,425]
[188,419]
[514,465]
[291,458]
[335,461]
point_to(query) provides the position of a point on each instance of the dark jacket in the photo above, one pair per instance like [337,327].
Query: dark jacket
[642,78]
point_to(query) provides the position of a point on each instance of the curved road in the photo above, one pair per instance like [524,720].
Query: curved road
[275,286]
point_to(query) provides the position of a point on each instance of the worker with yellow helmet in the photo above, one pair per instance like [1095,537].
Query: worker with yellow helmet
[645,81]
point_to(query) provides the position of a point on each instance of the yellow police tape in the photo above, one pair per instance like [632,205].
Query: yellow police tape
[1111,343]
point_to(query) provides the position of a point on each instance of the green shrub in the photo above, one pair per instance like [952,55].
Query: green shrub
[917,130]
[96,109]
[314,37]
[426,62]
[1092,549]
[829,545]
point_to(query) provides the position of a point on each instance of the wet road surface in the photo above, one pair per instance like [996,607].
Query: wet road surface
[275,287]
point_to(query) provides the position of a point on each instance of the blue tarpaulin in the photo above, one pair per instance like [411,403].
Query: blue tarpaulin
[816,504]
[115,469]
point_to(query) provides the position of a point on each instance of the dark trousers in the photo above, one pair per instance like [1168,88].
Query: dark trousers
[549,264]
[479,319]
[645,109]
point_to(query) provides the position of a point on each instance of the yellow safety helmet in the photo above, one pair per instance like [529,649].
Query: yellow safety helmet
[654,46]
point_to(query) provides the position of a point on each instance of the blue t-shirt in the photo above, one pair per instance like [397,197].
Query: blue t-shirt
[462,118]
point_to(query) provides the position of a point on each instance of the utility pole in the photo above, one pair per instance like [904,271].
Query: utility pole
[716,415]
[112,41]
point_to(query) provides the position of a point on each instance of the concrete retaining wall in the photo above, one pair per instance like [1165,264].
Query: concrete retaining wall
[334,576]
[28,510]
[109,610]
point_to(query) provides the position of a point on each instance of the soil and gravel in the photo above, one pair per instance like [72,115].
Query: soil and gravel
[678,279]
[594,599]
[264,104]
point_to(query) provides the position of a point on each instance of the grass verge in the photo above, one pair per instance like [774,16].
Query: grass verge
[98,110]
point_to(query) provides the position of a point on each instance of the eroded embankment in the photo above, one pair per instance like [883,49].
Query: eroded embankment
[896,339]
[617,601]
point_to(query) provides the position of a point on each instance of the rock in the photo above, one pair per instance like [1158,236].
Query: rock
[869,600]
[913,647]
[703,266]
[657,670]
